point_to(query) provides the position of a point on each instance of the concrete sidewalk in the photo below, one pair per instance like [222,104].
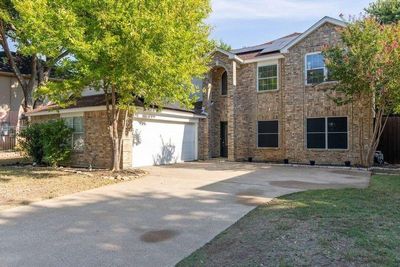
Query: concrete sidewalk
[153,221]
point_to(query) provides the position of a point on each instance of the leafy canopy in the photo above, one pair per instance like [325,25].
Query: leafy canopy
[141,48]
[385,11]
[368,63]
[40,27]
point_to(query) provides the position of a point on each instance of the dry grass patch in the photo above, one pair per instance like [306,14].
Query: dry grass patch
[27,184]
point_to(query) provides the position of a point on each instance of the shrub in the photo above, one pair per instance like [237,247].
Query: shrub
[48,142]
[31,142]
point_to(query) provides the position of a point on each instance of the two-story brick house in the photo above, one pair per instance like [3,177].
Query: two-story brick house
[272,102]
[268,102]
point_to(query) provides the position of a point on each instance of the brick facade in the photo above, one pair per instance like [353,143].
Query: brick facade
[291,105]
[98,146]
[243,106]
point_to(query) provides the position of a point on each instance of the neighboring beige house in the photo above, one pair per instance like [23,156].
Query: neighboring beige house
[265,103]
[11,98]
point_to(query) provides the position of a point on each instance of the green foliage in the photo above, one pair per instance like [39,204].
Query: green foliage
[39,26]
[31,142]
[47,142]
[385,11]
[146,49]
[225,46]
[368,63]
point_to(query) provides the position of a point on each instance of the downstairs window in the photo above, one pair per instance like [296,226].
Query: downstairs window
[267,134]
[327,133]
[78,135]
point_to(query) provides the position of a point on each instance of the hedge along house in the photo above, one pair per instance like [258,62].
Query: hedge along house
[153,138]
[272,102]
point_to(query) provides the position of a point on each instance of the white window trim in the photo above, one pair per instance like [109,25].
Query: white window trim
[326,134]
[74,115]
[306,69]
[269,63]
[279,136]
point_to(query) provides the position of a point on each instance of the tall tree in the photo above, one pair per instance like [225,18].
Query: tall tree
[136,49]
[385,11]
[368,66]
[37,30]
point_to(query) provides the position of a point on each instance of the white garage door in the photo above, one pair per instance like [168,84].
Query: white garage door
[160,142]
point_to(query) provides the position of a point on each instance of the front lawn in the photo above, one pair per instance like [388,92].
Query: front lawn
[350,227]
[24,185]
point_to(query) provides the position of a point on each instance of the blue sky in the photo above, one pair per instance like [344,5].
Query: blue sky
[249,22]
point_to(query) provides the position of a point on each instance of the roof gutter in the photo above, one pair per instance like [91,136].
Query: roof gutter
[265,58]
[140,110]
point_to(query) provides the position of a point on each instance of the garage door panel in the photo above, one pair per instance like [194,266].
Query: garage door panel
[159,143]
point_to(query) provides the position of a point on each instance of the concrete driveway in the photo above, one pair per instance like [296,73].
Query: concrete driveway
[153,221]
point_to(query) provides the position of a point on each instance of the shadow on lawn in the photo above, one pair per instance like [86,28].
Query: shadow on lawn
[347,227]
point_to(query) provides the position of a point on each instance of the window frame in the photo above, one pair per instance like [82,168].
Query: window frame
[327,134]
[72,116]
[278,133]
[306,68]
[264,64]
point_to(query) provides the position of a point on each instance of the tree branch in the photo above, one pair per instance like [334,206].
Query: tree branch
[6,48]
[34,61]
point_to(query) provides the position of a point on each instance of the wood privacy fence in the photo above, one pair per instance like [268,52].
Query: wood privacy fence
[390,140]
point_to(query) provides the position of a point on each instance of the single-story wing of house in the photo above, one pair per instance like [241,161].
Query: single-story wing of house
[155,138]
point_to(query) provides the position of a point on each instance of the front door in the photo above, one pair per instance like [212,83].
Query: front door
[224,139]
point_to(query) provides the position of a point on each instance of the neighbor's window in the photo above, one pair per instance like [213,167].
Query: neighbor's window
[268,134]
[316,69]
[268,77]
[224,83]
[77,138]
[327,133]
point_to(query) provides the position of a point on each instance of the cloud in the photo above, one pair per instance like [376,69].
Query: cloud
[280,9]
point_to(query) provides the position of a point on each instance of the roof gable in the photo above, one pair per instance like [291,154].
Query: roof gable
[230,55]
[321,22]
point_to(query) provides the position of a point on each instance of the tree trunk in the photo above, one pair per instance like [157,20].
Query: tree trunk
[116,165]
[113,115]
[379,126]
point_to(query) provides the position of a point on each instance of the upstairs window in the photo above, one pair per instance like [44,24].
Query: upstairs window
[267,134]
[316,71]
[267,78]
[224,83]
[78,135]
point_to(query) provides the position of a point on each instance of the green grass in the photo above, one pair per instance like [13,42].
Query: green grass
[324,227]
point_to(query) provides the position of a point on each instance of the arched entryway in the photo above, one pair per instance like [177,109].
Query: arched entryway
[218,112]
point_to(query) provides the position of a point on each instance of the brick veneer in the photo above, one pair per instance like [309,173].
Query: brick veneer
[98,147]
[291,105]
